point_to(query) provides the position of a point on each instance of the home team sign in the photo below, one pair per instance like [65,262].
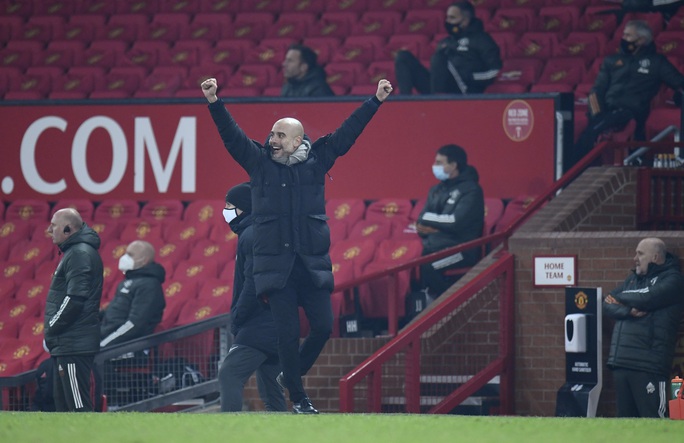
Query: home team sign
[555,271]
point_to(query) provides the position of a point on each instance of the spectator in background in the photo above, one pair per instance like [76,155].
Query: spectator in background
[72,333]
[255,347]
[465,62]
[138,304]
[624,87]
[292,264]
[647,308]
[303,76]
[667,8]
[453,214]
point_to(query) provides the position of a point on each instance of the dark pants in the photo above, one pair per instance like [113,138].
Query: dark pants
[72,382]
[640,394]
[439,79]
[296,360]
[240,363]
[411,74]
[606,121]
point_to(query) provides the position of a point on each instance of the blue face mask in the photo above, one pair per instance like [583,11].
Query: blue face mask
[438,171]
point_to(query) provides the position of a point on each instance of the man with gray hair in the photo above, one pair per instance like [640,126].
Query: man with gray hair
[624,87]
[647,309]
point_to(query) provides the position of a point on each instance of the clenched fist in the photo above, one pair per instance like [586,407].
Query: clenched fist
[209,88]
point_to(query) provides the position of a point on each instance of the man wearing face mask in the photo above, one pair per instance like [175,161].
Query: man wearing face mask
[624,87]
[453,214]
[465,62]
[255,344]
[292,264]
[138,305]
[72,335]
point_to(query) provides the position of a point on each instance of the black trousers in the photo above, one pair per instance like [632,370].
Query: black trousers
[640,394]
[72,383]
[296,360]
[240,363]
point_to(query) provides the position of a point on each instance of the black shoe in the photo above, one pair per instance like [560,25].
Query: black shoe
[281,381]
[304,407]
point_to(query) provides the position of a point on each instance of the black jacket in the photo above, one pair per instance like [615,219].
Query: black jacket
[71,325]
[137,307]
[456,208]
[474,54]
[251,322]
[288,202]
[647,343]
[313,84]
[630,81]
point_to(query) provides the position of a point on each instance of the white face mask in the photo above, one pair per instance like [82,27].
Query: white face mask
[229,214]
[126,263]
[438,171]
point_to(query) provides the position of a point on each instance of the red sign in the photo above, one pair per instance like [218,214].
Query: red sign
[174,151]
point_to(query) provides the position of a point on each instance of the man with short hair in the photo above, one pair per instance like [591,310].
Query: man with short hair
[647,308]
[624,87]
[292,264]
[255,344]
[72,333]
[303,76]
[465,62]
[453,214]
[138,305]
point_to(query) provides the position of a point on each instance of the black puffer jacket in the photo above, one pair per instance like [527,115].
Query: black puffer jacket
[474,54]
[630,81]
[288,202]
[647,343]
[137,307]
[71,311]
[454,207]
[313,84]
[251,322]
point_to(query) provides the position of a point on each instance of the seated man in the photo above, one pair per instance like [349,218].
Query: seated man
[135,311]
[453,214]
[465,62]
[624,87]
[138,305]
[304,77]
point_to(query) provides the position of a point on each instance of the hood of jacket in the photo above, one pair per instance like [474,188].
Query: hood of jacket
[84,235]
[154,270]
[468,174]
[671,263]
[240,223]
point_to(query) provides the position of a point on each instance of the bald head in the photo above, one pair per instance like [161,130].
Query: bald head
[286,136]
[141,252]
[64,224]
[649,250]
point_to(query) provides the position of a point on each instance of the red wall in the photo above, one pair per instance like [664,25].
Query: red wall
[392,158]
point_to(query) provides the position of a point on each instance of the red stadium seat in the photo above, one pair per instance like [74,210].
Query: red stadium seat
[149,231]
[347,5]
[558,19]
[670,43]
[400,6]
[148,54]
[208,27]
[198,269]
[162,210]
[360,49]
[334,24]
[45,270]
[21,54]
[507,42]
[112,251]
[523,71]
[269,50]
[43,28]
[7,286]
[163,81]
[78,82]
[208,250]
[251,25]
[204,211]
[374,296]
[494,208]
[522,3]
[10,27]
[389,209]
[108,230]
[422,21]
[513,209]
[128,28]
[105,53]
[346,74]
[599,19]
[169,254]
[230,52]
[536,44]
[17,270]
[377,71]
[116,210]
[35,83]
[33,292]
[376,230]
[182,231]
[347,210]
[587,45]
[146,7]
[417,44]
[28,251]
[168,26]
[359,252]
[292,25]
[272,6]
[189,53]
[257,76]
[85,28]
[20,355]
[563,71]
[324,47]
[221,233]
[381,23]
[218,292]
[63,53]
[304,6]
[518,20]
[13,231]
[29,210]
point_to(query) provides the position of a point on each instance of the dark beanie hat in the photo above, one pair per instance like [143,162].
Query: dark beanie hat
[240,196]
